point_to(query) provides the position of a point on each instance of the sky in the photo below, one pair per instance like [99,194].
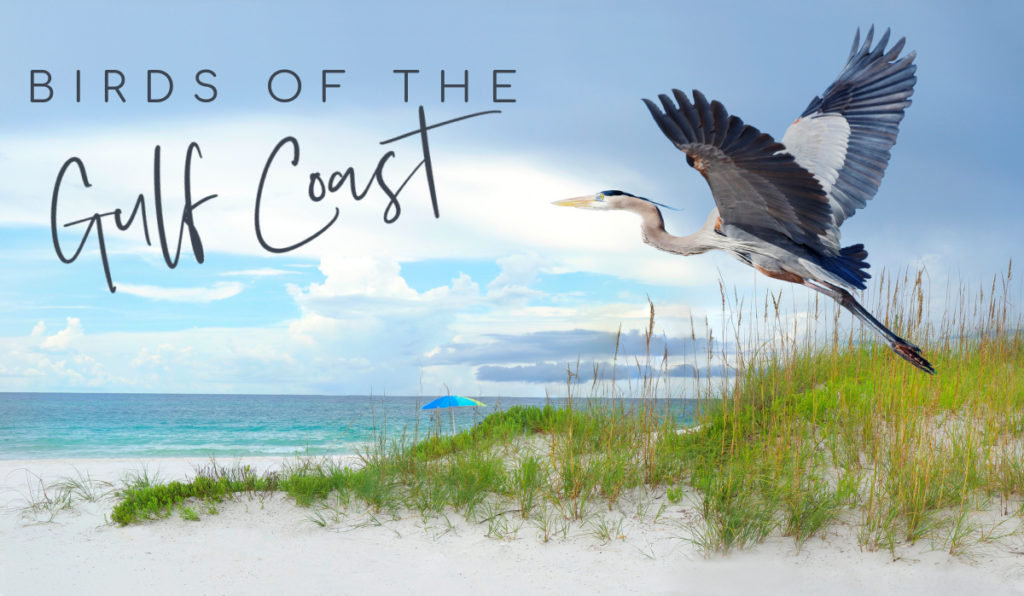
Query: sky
[500,293]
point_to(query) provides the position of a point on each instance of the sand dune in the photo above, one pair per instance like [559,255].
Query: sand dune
[253,547]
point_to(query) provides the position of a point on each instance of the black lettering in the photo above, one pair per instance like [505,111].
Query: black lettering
[298,85]
[337,179]
[325,84]
[209,86]
[53,207]
[259,195]
[187,220]
[496,85]
[33,84]
[393,210]
[422,131]
[94,221]
[139,208]
[405,83]
[317,192]
[464,85]
[107,87]
[149,86]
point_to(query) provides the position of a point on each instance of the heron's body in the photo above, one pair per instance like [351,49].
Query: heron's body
[779,205]
[769,252]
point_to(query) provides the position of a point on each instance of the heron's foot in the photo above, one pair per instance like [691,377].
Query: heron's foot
[912,354]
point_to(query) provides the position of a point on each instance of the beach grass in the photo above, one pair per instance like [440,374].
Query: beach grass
[141,498]
[818,427]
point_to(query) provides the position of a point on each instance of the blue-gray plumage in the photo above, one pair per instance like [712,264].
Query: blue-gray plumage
[779,205]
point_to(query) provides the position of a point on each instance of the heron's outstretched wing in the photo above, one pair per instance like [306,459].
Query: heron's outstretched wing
[756,185]
[844,136]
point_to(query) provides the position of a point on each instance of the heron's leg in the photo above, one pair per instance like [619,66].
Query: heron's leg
[847,301]
[902,347]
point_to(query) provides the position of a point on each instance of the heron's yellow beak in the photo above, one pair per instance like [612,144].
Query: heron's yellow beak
[586,202]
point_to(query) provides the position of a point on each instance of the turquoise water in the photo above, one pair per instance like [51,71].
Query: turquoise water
[61,426]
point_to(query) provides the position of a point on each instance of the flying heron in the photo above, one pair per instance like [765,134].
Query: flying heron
[779,205]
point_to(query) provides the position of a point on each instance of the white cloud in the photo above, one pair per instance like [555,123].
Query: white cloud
[518,271]
[261,272]
[63,338]
[344,343]
[367,276]
[364,309]
[218,291]
[491,206]
[362,326]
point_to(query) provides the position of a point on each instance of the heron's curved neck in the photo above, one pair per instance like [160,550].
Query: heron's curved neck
[653,230]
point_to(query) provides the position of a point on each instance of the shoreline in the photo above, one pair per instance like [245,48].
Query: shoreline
[56,461]
[270,544]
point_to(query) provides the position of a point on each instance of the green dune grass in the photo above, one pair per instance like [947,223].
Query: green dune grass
[809,434]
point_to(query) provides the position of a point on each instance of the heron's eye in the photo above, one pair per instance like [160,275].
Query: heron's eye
[599,197]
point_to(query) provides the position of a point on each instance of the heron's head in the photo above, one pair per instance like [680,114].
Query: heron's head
[609,199]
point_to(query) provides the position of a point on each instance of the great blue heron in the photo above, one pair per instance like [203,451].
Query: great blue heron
[780,205]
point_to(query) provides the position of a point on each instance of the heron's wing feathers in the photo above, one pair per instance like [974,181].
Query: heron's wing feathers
[756,185]
[844,136]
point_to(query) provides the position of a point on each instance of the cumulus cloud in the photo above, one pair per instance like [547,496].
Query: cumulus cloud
[372,277]
[365,308]
[165,357]
[518,272]
[63,339]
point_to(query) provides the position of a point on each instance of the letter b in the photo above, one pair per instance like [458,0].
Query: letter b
[33,85]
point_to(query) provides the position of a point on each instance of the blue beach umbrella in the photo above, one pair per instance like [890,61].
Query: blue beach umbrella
[451,401]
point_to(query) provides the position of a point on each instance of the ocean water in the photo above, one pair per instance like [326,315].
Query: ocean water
[98,425]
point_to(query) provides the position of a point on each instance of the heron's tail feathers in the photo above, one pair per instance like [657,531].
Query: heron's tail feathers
[902,347]
[851,265]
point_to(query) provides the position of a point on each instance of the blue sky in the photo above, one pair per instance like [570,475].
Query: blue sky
[503,290]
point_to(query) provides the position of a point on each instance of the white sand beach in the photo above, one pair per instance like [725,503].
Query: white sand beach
[252,547]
